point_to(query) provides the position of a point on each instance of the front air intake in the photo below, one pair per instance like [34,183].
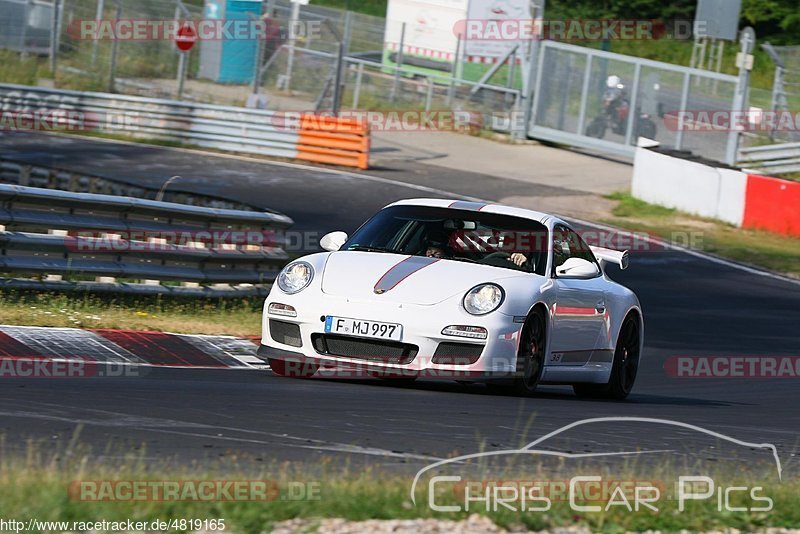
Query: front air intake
[457,353]
[285,333]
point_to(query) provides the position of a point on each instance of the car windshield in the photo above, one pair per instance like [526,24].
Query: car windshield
[455,235]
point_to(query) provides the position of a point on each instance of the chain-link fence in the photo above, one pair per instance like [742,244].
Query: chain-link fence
[26,25]
[607,101]
[146,66]
[297,57]
[309,51]
[785,94]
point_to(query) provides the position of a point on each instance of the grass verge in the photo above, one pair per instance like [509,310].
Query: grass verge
[763,249]
[237,317]
[70,486]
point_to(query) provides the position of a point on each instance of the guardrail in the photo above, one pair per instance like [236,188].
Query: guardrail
[235,129]
[65,239]
[18,172]
[775,159]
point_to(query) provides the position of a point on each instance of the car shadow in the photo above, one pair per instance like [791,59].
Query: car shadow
[549,393]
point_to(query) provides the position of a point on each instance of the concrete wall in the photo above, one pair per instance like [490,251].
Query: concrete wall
[689,186]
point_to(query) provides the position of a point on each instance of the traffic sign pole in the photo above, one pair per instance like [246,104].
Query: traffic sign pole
[182,60]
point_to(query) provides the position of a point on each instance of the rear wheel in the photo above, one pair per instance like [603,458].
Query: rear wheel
[530,357]
[597,128]
[292,369]
[624,369]
[646,128]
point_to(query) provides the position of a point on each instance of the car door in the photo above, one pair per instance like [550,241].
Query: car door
[579,311]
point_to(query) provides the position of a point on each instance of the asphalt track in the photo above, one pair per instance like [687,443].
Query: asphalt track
[693,307]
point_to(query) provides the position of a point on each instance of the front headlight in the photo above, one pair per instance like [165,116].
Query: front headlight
[295,277]
[483,299]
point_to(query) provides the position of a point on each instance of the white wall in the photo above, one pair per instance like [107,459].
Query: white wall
[688,186]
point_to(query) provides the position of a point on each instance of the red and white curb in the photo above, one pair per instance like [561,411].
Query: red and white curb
[128,347]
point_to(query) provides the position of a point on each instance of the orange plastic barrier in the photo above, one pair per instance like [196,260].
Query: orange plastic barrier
[333,141]
[772,204]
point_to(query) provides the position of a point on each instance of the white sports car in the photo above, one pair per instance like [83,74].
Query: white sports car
[460,290]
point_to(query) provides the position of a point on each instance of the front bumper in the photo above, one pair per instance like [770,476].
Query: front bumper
[422,331]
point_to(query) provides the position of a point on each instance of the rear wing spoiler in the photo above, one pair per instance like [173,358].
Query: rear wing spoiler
[606,255]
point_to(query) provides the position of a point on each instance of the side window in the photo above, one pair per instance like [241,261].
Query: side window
[568,244]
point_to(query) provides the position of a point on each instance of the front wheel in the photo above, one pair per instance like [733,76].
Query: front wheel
[624,369]
[530,358]
[292,368]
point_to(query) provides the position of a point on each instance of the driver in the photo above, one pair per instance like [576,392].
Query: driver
[437,244]
[435,251]
[438,247]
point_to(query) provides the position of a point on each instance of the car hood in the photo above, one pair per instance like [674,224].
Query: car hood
[404,279]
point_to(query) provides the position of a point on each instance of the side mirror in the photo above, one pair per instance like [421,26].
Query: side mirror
[333,241]
[577,268]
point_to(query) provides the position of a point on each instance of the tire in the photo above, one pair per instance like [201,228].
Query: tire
[530,357]
[646,128]
[624,369]
[292,369]
[596,128]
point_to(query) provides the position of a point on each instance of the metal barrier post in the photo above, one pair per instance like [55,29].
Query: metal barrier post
[357,88]
[337,80]
[684,102]
[530,79]
[633,114]
[54,37]
[292,30]
[512,68]
[429,95]
[399,63]
[348,30]
[451,92]
[260,46]
[112,66]
[98,16]
[23,36]
[587,74]
[744,60]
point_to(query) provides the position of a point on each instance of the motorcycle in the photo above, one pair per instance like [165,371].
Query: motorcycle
[615,113]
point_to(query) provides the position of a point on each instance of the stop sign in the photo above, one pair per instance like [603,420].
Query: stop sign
[186,38]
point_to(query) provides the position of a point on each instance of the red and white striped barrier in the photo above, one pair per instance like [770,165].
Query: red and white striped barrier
[126,347]
[733,196]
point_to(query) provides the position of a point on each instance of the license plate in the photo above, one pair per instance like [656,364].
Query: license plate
[363,328]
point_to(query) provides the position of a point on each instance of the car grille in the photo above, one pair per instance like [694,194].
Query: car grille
[286,333]
[365,349]
[457,353]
